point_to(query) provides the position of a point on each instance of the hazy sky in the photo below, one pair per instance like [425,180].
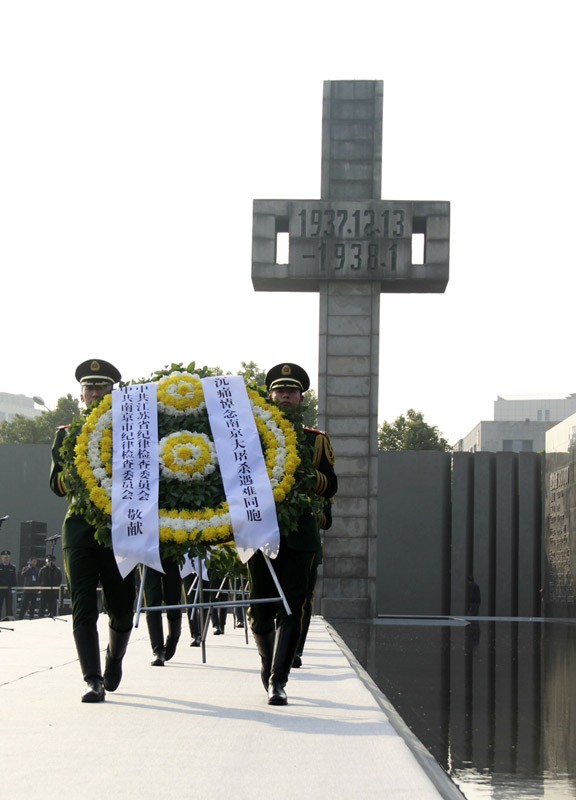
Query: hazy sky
[135,136]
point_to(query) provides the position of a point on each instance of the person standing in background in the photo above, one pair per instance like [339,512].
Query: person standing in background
[49,578]
[30,577]
[474,597]
[8,580]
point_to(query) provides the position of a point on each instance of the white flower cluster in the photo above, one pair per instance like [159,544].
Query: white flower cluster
[94,457]
[193,523]
[280,458]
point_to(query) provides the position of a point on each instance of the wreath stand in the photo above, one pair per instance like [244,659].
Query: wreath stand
[202,606]
[198,590]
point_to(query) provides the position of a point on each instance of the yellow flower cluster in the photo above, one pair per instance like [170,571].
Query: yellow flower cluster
[106,450]
[208,525]
[180,393]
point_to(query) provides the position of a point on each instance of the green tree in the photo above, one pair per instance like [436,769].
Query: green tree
[310,415]
[39,430]
[411,432]
[251,372]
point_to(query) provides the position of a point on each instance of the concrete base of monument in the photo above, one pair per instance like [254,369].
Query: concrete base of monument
[345,607]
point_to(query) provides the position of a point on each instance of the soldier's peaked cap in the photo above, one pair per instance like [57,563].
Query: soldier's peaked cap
[97,372]
[5,553]
[290,376]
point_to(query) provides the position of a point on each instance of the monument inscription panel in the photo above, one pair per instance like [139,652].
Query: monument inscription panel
[360,240]
[350,240]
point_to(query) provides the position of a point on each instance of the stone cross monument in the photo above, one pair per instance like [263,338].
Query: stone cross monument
[350,246]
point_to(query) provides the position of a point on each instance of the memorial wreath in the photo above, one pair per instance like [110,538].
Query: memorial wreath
[193,512]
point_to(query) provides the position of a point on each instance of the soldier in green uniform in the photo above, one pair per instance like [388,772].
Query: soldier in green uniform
[87,563]
[275,632]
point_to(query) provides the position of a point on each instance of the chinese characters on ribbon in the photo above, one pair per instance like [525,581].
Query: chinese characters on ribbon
[135,477]
[242,466]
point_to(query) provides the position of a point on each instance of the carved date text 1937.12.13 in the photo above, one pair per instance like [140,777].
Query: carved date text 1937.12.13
[350,238]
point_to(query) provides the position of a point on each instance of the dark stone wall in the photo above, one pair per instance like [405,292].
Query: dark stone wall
[26,496]
[413,533]
[442,517]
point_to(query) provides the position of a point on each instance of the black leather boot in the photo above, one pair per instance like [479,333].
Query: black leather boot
[88,649]
[194,625]
[218,620]
[265,645]
[174,631]
[284,650]
[117,644]
[156,633]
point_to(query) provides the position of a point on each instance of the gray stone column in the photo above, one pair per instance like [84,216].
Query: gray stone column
[348,356]
[347,409]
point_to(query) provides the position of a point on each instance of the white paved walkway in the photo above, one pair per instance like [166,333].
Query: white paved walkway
[196,730]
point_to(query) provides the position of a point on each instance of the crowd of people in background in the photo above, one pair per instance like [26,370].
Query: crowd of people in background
[40,588]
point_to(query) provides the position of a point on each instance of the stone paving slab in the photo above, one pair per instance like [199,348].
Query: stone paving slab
[193,729]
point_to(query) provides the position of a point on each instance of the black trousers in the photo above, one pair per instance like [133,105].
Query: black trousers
[28,600]
[194,613]
[164,588]
[48,600]
[85,567]
[309,604]
[292,568]
[6,597]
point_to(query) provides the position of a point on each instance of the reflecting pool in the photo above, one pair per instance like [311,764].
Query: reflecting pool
[494,701]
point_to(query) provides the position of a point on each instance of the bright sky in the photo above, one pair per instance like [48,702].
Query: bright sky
[135,136]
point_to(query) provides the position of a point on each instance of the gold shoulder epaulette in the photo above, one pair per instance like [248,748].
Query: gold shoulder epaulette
[329,450]
[322,447]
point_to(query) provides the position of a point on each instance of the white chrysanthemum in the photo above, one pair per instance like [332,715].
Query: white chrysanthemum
[194,523]
[94,455]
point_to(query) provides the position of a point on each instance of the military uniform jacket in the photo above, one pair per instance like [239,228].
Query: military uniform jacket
[50,576]
[307,536]
[76,532]
[8,575]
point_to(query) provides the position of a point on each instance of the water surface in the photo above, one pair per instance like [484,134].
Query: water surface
[494,701]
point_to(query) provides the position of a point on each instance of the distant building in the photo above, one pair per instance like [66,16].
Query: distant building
[519,425]
[534,409]
[12,404]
